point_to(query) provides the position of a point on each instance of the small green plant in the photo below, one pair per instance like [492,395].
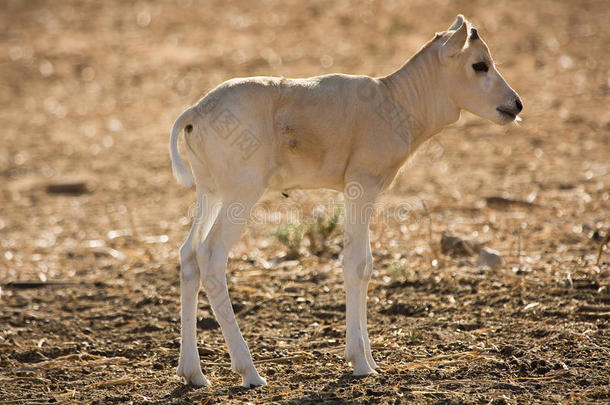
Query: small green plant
[397,269]
[319,233]
[416,334]
[290,236]
[321,230]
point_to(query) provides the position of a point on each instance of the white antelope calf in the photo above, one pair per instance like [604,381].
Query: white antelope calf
[341,132]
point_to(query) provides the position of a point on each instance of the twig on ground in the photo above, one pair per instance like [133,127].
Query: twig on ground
[601,247]
[64,361]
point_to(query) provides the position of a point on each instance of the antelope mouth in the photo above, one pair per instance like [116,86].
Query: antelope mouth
[506,113]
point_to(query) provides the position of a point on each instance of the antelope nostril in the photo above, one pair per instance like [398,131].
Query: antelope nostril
[519,105]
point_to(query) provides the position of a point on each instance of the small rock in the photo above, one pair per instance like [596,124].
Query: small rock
[453,245]
[489,257]
[501,203]
[68,186]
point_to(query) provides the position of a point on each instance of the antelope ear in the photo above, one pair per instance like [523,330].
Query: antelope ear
[456,42]
[456,24]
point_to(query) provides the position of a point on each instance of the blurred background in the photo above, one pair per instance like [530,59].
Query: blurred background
[88,93]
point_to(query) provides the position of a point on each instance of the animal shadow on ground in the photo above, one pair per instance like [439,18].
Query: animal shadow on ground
[331,393]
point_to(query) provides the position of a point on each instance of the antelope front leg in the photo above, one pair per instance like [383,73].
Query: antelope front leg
[357,270]
[363,310]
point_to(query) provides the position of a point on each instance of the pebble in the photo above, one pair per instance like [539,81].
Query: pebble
[489,257]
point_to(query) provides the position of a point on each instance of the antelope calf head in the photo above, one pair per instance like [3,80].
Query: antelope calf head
[471,78]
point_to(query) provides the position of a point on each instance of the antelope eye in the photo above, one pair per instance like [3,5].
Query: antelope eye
[480,67]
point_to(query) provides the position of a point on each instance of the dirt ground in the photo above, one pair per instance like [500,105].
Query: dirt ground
[88,93]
